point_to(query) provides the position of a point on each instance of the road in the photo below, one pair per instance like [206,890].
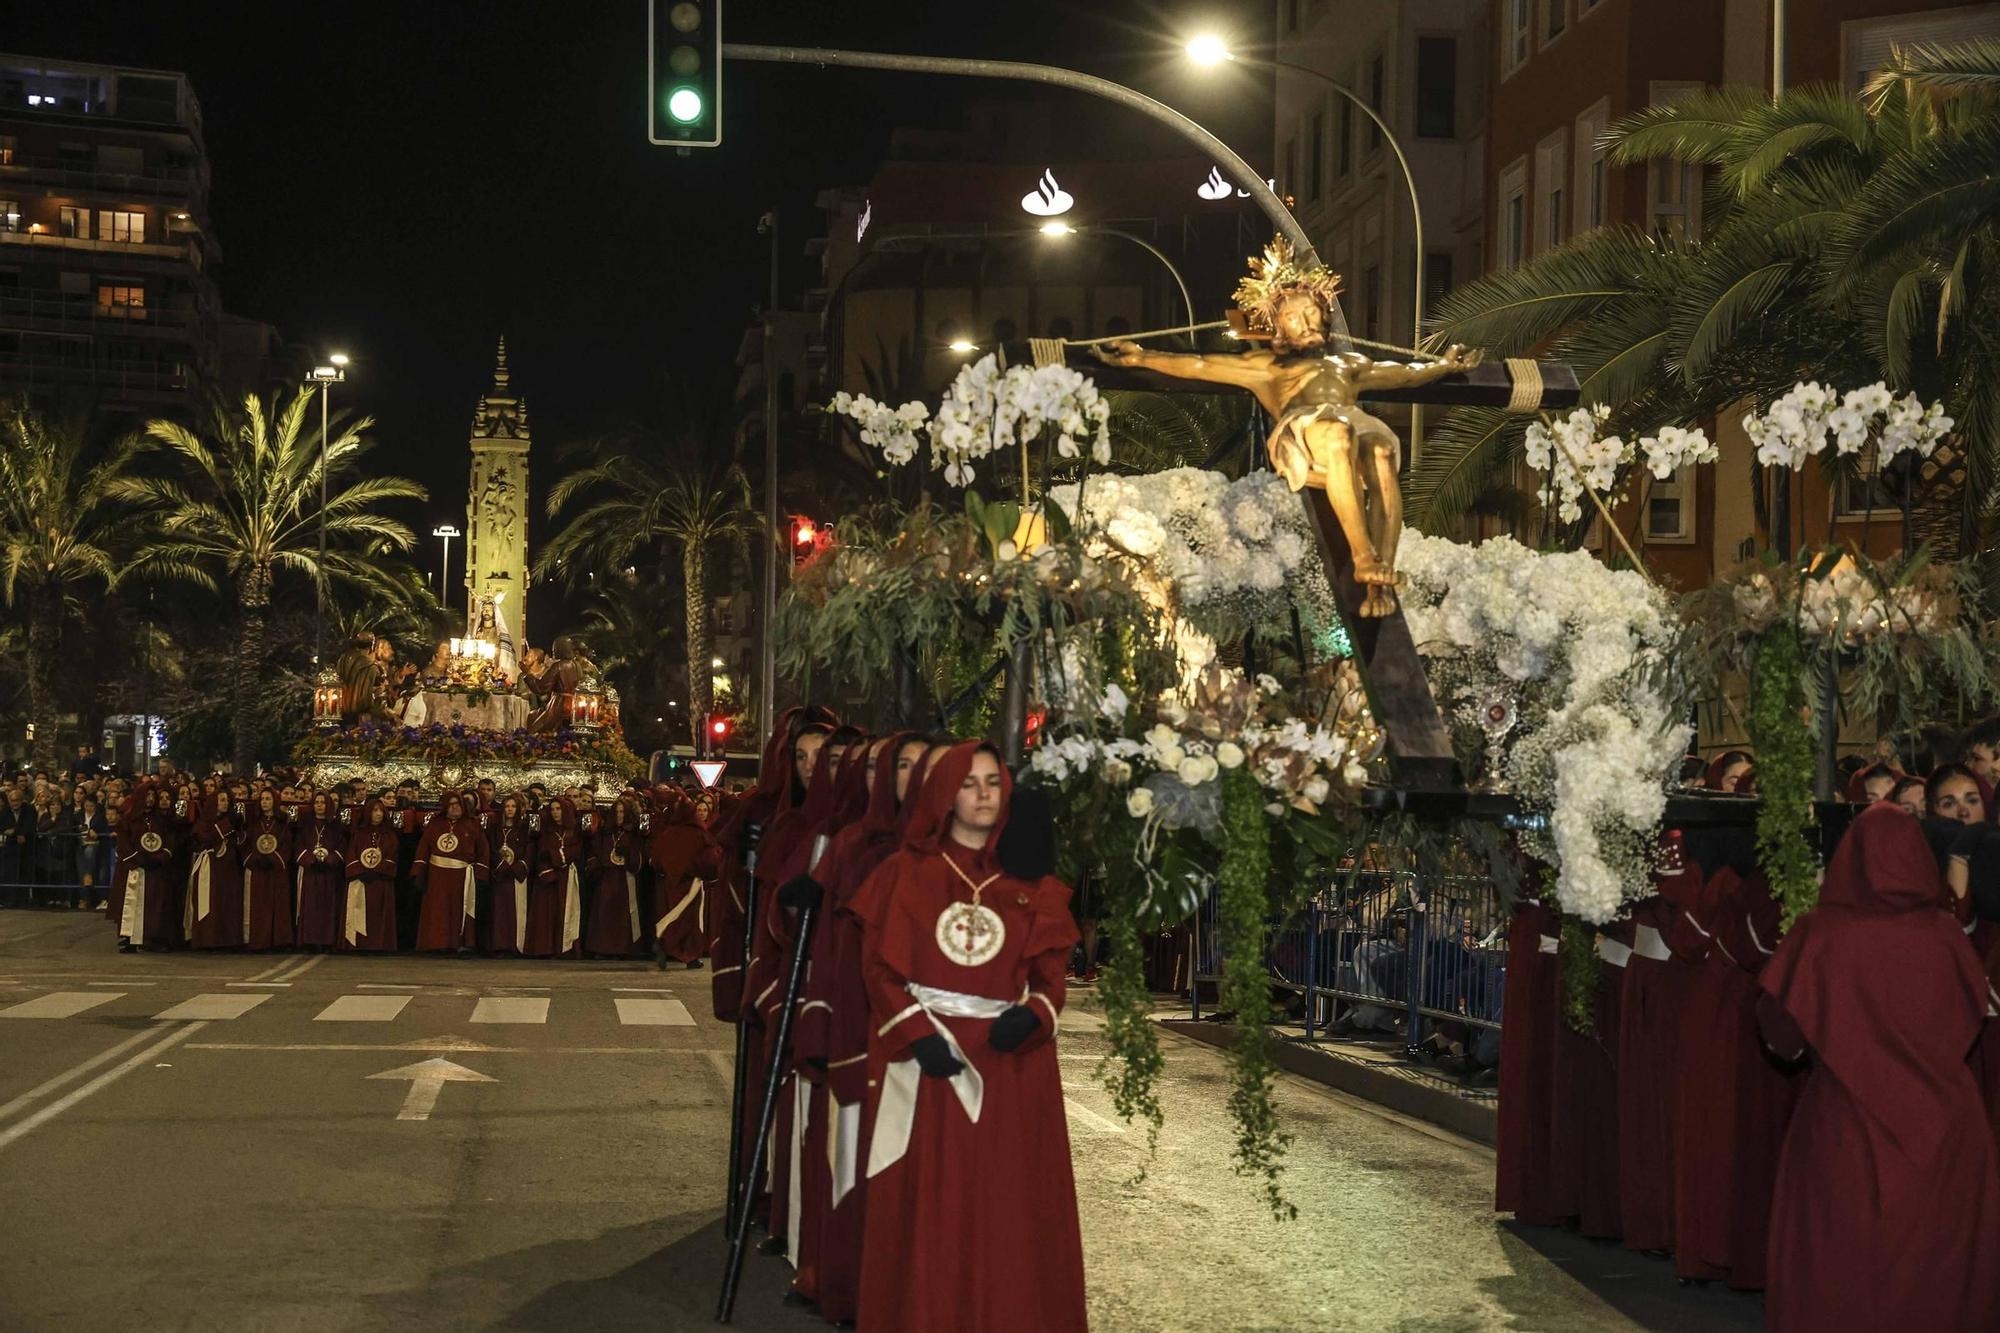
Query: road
[223,1142]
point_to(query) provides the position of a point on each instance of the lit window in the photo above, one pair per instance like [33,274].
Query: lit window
[8,147]
[10,215]
[121,299]
[129,228]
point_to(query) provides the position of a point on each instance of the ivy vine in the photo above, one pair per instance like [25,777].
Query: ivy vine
[1245,987]
[1579,974]
[1781,735]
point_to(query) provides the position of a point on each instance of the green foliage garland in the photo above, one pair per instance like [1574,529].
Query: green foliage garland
[1130,1069]
[1579,972]
[1246,988]
[1782,738]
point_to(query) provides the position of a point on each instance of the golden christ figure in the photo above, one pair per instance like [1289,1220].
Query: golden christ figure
[1322,437]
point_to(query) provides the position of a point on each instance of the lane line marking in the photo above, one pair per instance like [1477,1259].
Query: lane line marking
[211,1008]
[98,1084]
[642,990]
[307,966]
[59,1004]
[385,985]
[283,985]
[511,1009]
[653,1013]
[1078,1110]
[272,971]
[362,1009]
[121,983]
[41,1090]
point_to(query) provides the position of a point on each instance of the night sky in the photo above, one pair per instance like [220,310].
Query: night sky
[407,180]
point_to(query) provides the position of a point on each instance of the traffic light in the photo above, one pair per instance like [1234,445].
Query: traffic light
[684,73]
[719,728]
[805,539]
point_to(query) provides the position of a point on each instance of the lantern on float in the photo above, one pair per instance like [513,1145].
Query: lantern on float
[611,718]
[326,700]
[586,706]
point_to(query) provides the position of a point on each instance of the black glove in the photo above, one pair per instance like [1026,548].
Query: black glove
[934,1057]
[1013,1027]
[816,1062]
[800,892]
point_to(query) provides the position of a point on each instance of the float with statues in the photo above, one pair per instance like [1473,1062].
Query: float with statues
[484,706]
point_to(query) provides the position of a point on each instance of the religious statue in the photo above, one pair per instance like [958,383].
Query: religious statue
[1322,438]
[496,506]
[558,681]
[361,679]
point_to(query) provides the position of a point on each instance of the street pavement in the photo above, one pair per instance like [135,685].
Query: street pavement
[273,1142]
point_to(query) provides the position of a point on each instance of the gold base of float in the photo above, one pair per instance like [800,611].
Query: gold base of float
[435,776]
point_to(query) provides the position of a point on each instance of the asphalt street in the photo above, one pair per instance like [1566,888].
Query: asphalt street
[254,1142]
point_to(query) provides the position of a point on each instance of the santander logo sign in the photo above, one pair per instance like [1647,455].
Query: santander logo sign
[1047,199]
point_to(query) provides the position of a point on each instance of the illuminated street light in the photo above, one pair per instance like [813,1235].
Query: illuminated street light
[1058,229]
[1208,49]
[961,346]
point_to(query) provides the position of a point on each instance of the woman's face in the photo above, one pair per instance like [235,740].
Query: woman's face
[977,807]
[1958,798]
[906,761]
[1732,776]
[378,815]
[1878,787]
[510,811]
[267,802]
[322,806]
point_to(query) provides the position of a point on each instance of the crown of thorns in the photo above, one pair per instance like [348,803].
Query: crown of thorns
[1277,274]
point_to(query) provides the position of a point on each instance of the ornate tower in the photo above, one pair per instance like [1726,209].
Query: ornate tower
[496,531]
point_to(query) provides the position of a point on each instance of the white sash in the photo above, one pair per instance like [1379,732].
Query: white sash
[1647,942]
[1612,951]
[198,899]
[471,890]
[357,911]
[572,910]
[632,904]
[843,1144]
[897,1113]
[520,916]
[132,921]
[795,1194]
[1550,944]
[688,899]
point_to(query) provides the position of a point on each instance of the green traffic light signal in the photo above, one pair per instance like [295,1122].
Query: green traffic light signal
[684,105]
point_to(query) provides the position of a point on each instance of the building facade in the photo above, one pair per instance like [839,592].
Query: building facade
[1421,67]
[107,301]
[1562,72]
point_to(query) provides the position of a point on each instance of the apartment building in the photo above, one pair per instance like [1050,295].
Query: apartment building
[106,296]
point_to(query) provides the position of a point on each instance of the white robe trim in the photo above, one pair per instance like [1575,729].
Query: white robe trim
[901,1081]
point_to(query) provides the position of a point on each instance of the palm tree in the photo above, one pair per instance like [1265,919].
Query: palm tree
[630,629]
[670,492]
[247,507]
[59,520]
[1845,240]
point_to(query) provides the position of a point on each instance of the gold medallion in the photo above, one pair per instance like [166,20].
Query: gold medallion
[267,843]
[371,857]
[617,858]
[506,856]
[970,934]
[447,842]
[150,841]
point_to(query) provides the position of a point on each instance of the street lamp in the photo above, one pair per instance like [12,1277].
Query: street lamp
[962,346]
[1210,50]
[1061,229]
[446,531]
[325,376]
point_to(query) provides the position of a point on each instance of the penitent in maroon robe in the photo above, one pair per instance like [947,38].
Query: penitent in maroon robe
[683,861]
[214,907]
[1649,1040]
[971,1220]
[1584,1132]
[147,910]
[451,862]
[319,851]
[368,898]
[1887,1209]
[617,924]
[267,880]
[555,899]
[1524,1168]
[513,850]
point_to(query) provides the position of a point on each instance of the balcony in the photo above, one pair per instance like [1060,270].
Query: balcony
[66,176]
[174,249]
[54,312]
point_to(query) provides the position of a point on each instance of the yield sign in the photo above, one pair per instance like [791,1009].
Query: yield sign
[427,1078]
[708,770]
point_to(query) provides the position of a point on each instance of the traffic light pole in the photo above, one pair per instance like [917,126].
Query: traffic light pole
[1267,198]
[767,675]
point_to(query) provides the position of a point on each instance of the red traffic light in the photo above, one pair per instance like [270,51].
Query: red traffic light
[718,727]
[804,533]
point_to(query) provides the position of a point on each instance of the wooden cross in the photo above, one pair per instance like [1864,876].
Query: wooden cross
[1399,692]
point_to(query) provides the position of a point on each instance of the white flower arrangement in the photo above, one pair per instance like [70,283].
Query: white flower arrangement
[1227,553]
[1596,742]
[1578,457]
[986,409]
[1806,418]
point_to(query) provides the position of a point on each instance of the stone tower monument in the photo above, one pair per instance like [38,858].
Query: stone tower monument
[496,531]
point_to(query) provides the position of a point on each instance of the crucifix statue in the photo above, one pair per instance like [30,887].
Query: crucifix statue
[1310,386]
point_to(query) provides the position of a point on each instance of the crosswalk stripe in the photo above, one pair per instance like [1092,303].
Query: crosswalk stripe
[362,1009]
[511,1009]
[210,1007]
[59,1004]
[653,1013]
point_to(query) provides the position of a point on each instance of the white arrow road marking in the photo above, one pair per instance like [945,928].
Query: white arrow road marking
[427,1078]
[1078,1111]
